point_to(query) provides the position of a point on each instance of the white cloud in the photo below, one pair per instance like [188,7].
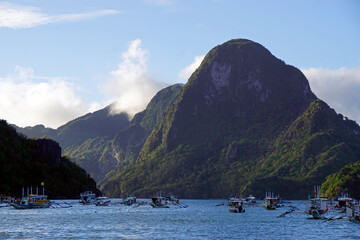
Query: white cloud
[28,100]
[18,16]
[339,88]
[131,86]
[187,71]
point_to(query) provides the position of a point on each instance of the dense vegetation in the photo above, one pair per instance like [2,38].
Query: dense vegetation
[346,180]
[244,122]
[105,144]
[86,139]
[24,165]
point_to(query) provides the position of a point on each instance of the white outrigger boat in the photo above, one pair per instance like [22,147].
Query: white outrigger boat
[353,211]
[250,199]
[129,201]
[165,202]
[235,205]
[343,201]
[87,197]
[32,201]
[317,207]
[270,201]
[159,202]
[102,201]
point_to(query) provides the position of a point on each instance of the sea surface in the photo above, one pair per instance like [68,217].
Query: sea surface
[202,219]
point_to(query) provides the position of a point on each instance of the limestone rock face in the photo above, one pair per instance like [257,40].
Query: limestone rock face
[49,149]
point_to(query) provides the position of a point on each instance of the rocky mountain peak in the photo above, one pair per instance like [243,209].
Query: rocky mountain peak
[246,74]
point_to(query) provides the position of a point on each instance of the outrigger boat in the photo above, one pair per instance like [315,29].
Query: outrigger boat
[343,201]
[270,201]
[353,212]
[250,199]
[102,201]
[317,206]
[235,205]
[87,197]
[32,201]
[129,201]
[166,202]
[159,202]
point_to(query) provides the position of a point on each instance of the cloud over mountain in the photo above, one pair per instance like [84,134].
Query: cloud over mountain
[187,71]
[131,86]
[340,88]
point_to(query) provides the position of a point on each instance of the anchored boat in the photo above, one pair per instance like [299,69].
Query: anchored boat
[159,202]
[129,201]
[270,201]
[102,201]
[250,199]
[87,197]
[235,205]
[317,206]
[343,201]
[353,211]
[166,201]
[32,200]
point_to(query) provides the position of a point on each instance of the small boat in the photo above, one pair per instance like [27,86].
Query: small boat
[353,211]
[270,201]
[102,201]
[32,201]
[317,206]
[129,201]
[250,199]
[87,197]
[166,201]
[159,202]
[235,205]
[343,201]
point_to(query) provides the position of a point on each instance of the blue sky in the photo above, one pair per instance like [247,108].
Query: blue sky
[62,59]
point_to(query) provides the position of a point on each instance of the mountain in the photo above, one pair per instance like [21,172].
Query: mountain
[28,162]
[127,143]
[84,139]
[345,180]
[245,121]
[104,144]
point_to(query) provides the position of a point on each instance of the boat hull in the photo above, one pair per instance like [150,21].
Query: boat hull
[159,206]
[30,206]
[235,210]
[316,214]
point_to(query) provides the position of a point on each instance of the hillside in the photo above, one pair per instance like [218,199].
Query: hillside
[28,162]
[104,144]
[85,138]
[128,142]
[346,180]
[245,121]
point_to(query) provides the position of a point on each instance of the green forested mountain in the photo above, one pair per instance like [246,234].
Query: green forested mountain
[104,144]
[244,122]
[128,142]
[28,162]
[346,180]
[84,139]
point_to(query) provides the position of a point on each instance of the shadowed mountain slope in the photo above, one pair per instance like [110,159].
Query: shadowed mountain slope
[244,122]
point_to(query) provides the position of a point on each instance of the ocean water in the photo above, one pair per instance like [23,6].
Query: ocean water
[202,219]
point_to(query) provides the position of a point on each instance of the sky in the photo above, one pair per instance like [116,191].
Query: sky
[62,59]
